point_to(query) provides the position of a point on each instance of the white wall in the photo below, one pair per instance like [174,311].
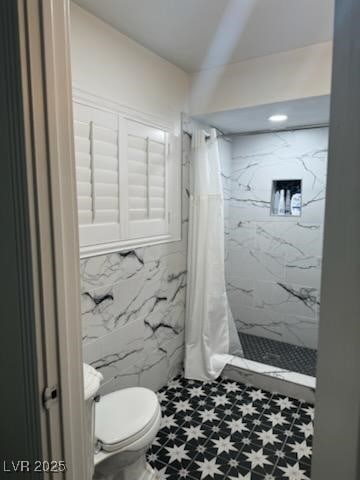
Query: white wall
[112,65]
[133,303]
[295,74]
[109,64]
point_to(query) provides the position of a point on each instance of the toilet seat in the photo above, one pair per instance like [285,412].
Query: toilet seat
[125,416]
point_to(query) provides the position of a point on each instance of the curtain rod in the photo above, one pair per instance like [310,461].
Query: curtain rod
[289,129]
[207,137]
[225,136]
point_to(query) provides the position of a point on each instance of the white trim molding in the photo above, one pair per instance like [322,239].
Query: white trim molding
[94,100]
[47,93]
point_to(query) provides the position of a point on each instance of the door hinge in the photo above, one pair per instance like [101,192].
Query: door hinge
[50,396]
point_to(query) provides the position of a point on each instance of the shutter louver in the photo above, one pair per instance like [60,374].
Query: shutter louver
[147,179]
[97,174]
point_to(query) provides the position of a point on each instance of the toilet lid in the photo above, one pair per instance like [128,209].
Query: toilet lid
[123,415]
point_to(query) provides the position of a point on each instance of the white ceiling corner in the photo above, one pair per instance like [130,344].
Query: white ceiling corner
[198,34]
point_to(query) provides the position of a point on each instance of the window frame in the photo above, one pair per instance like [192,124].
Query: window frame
[174,177]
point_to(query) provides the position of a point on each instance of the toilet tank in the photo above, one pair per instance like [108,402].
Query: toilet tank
[92,380]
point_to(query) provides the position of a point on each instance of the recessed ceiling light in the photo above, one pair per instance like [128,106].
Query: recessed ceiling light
[278,118]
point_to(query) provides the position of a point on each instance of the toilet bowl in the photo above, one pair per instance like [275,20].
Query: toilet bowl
[126,423]
[122,427]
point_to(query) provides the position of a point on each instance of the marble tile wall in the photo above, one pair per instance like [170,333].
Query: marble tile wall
[133,309]
[225,153]
[273,264]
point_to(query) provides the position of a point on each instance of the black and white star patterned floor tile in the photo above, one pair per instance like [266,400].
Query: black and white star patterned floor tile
[224,430]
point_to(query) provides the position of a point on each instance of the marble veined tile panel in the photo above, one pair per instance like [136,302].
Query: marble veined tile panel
[287,298]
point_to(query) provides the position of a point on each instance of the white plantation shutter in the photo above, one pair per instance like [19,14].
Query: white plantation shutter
[97,171]
[147,156]
[128,174]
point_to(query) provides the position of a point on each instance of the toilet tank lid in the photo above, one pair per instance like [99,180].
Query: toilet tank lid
[92,380]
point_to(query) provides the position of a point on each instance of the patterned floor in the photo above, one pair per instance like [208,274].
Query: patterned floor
[279,354]
[229,431]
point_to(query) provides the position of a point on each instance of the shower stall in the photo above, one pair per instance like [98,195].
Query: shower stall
[274,251]
[274,186]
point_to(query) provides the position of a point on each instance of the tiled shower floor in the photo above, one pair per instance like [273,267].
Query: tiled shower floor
[279,354]
[229,431]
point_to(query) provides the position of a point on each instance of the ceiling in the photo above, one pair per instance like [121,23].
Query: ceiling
[198,34]
[303,112]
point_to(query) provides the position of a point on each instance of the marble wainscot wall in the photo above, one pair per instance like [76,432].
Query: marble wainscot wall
[133,309]
[273,265]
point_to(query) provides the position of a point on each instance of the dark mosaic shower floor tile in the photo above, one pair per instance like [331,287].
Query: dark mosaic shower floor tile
[232,432]
[279,354]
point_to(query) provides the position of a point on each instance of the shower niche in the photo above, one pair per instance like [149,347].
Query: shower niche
[286,198]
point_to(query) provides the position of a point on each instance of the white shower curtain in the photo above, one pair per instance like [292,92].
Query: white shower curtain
[207,311]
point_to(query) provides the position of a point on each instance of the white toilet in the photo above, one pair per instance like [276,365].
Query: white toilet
[126,423]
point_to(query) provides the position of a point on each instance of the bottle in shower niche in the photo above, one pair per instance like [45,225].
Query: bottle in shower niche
[281,210]
[295,205]
[276,202]
[287,202]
